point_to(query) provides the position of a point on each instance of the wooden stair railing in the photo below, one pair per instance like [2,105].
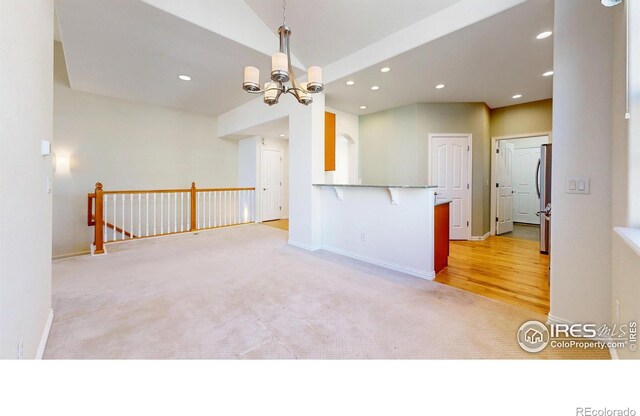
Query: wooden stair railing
[187,210]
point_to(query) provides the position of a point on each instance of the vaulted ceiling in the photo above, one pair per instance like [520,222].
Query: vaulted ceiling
[483,50]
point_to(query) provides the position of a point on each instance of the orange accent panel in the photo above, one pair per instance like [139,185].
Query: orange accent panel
[441,237]
[329,141]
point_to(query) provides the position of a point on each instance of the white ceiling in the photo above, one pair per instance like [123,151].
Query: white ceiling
[487,62]
[135,49]
[131,50]
[271,130]
[327,30]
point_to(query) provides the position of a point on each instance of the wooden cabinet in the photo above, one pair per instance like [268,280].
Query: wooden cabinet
[329,141]
[441,236]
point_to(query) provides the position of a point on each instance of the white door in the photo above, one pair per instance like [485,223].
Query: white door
[449,171]
[526,201]
[271,182]
[505,187]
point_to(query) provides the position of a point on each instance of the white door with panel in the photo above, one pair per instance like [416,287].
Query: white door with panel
[526,200]
[504,173]
[271,183]
[449,171]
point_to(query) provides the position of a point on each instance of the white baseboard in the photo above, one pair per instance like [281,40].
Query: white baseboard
[480,238]
[304,246]
[45,336]
[66,256]
[406,270]
[555,320]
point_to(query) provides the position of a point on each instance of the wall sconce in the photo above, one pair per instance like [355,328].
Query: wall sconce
[63,164]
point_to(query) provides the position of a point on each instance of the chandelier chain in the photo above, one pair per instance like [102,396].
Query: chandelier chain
[284,12]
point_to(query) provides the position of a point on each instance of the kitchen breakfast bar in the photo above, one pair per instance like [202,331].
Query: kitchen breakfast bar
[388,225]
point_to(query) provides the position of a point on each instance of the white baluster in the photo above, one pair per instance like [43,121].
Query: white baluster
[161,213]
[215,210]
[131,215]
[154,213]
[123,219]
[175,212]
[219,209]
[209,210]
[115,211]
[147,215]
[169,213]
[181,211]
[139,215]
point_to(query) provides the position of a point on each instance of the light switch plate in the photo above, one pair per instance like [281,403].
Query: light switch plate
[577,185]
[45,150]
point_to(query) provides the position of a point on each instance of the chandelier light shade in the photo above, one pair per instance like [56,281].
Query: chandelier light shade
[251,79]
[282,73]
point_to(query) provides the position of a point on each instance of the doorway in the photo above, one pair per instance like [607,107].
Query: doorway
[271,183]
[515,199]
[450,170]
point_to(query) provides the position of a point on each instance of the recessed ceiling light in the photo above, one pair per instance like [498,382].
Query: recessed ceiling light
[440,86]
[184,77]
[385,69]
[283,135]
[547,74]
[350,83]
[375,88]
[544,35]
[517,96]
[363,107]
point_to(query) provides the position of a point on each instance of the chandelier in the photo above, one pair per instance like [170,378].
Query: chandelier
[282,72]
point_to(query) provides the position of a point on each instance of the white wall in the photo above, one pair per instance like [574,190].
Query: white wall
[581,224]
[26,109]
[306,158]
[250,168]
[127,145]
[625,249]
[394,148]
[351,226]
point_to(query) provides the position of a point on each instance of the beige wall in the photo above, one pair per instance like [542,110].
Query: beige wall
[26,103]
[394,147]
[514,120]
[582,136]
[625,198]
[126,145]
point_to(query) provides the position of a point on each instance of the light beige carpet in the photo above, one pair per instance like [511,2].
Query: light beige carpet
[243,292]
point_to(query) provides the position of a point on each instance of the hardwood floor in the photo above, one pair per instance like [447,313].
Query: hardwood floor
[282,224]
[507,269]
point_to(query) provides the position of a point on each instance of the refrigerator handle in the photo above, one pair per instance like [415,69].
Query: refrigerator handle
[538,179]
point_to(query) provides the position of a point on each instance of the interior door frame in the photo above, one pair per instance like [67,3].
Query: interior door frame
[469,137]
[494,147]
[262,149]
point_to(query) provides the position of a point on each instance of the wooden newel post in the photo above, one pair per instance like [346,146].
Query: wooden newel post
[99,222]
[193,206]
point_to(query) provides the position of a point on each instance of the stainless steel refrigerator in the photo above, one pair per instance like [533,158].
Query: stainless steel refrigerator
[543,184]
